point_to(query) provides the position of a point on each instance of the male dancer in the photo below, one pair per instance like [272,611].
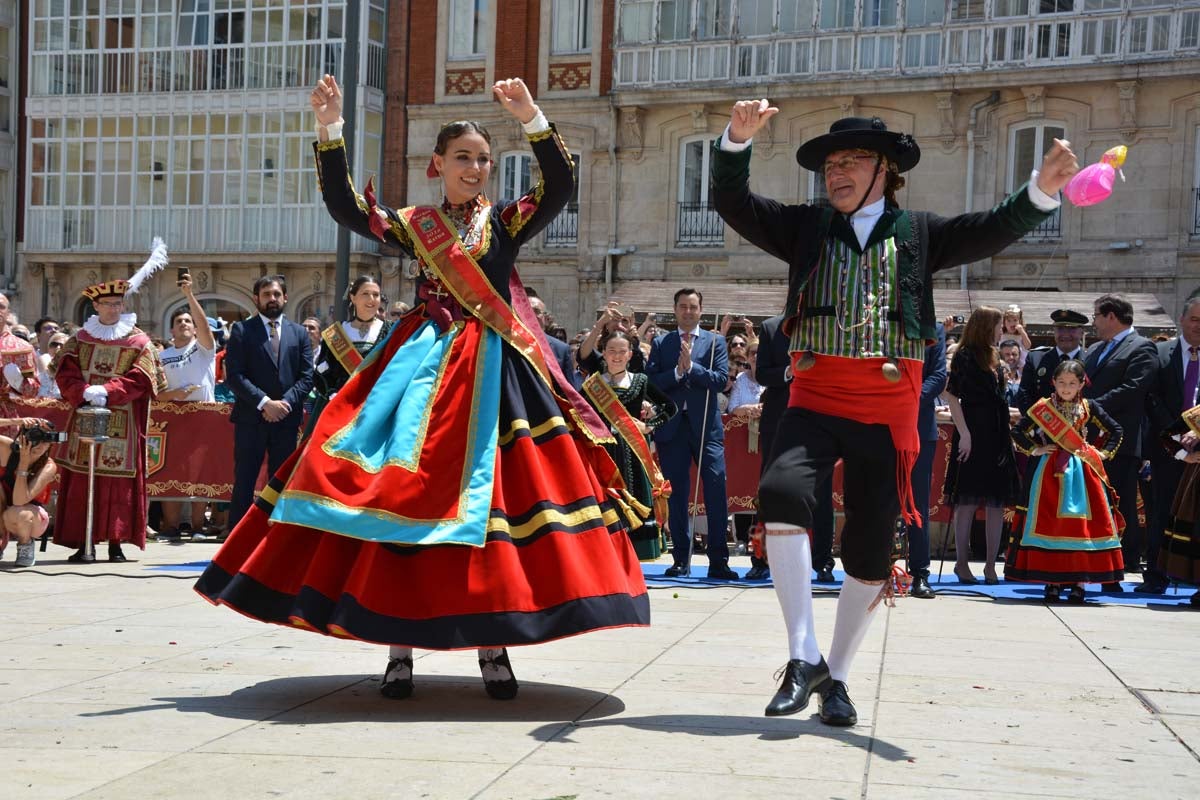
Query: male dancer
[859,312]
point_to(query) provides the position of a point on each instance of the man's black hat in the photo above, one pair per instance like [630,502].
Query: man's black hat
[1066,318]
[860,133]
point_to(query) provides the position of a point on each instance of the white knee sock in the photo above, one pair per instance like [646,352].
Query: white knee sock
[854,615]
[401,671]
[790,557]
[493,671]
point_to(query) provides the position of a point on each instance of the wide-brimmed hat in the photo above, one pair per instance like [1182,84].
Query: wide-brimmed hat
[860,133]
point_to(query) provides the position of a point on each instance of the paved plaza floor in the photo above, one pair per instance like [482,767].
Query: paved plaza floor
[117,681]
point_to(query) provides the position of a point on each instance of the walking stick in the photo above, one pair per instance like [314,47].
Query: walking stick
[700,459]
[93,429]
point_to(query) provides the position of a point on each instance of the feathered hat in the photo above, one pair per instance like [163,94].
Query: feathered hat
[124,288]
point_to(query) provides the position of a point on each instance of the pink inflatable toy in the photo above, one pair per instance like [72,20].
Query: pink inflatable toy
[1094,183]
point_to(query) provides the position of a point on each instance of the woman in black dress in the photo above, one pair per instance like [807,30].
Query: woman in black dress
[983,468]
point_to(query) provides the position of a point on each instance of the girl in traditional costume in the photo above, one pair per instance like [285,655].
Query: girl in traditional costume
[344,345]
[455,493]
[1179,556]
[620,396]
[1071,530]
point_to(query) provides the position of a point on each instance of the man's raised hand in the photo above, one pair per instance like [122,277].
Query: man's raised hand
[748,117]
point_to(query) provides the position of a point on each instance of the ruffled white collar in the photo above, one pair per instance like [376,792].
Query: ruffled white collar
[118,330]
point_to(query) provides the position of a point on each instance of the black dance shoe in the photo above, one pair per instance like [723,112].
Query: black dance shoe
[1194,602]
[504,688]
[921,588]
[1151,585]
[398,679]
[1051,593]
[825,575]
[115,555]
[800,680]
[759,572]
[1075,595]
[720,570]
[81,556]
[836,708]
[678,571]
[1112,586]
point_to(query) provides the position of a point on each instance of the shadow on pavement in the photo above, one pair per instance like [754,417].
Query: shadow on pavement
[309,700]
[764,728]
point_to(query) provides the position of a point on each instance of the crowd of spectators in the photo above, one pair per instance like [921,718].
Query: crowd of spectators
[996,372]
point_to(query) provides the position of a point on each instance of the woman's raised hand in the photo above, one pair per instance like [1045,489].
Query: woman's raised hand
[326,100]
[514,95]
[748,117]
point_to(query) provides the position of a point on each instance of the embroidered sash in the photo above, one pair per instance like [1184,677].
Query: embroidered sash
[440,249]
[1063,433]
[1192,418]
[341,347]
[609,404]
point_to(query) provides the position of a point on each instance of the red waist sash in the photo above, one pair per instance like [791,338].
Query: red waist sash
[856,389]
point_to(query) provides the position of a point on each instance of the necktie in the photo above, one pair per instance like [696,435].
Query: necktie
[274,325]
[1190,376]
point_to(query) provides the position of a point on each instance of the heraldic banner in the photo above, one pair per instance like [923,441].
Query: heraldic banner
[189,449]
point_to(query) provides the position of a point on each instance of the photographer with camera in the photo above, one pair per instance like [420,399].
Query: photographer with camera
[26,479]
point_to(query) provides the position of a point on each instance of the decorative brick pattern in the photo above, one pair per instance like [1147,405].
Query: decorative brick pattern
[570,77]
[464,81]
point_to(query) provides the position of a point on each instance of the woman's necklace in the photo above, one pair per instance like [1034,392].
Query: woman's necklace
[615,377]
[363,326]
[1071,409]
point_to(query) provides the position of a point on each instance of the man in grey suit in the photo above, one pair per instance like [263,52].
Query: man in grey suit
[1121,369]
[269,368]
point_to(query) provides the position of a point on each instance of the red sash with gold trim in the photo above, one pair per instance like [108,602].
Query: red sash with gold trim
[1192,418]
[441,250]
[1064,434]
[341,347]
[610,407]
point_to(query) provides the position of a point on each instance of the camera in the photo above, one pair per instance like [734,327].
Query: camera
[36,435]
[959,319]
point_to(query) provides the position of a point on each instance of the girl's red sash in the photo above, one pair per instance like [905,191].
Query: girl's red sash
[610,407]
[1063,433]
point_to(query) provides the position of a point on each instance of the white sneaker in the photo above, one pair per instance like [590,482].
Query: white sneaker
[26,554]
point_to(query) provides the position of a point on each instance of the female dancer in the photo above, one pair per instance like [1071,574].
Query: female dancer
[345,344]
[455,494]
[1179,556]
[620,396]
[1071,532]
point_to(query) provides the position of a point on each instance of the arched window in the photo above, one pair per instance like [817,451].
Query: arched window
[1027,145]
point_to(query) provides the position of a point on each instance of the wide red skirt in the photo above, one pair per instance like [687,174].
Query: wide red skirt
[556,560]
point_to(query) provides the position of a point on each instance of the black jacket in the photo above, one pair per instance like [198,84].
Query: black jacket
[251,372]
[1120,384]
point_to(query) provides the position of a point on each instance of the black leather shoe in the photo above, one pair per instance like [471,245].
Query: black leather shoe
[1075,595]
[922,589]
[81,556]
[1194,602]
[115,554]
[720,570]
[800,680]
[1151,586]
[1114,586]
[397,679]
[825,575]
[836,708]
[502,689]
[678,571]
[758,572]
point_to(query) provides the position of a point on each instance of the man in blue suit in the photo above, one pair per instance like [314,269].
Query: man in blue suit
[692,365]
[268,366]
[933,383]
